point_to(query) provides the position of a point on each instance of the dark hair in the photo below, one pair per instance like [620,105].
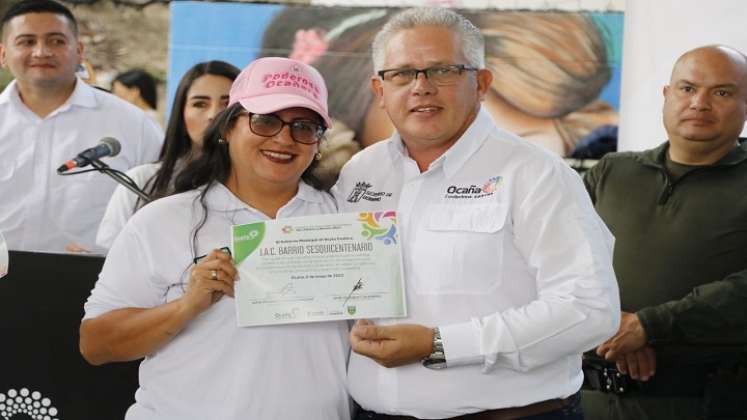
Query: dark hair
[143,81]
[24,7]
[177,142]
[214,164]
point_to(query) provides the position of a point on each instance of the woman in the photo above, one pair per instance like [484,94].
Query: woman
[138,87]
[151,301]
[202,93]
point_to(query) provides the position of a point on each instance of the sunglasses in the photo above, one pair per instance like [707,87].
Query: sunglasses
[301,130]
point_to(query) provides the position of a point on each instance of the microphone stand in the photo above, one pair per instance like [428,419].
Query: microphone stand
[121,179]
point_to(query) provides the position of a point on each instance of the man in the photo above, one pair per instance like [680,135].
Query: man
[48,116]
[508,268]
[679,213]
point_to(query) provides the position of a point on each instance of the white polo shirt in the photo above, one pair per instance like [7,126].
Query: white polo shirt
[41,210]
[212,369]
[504,252]
[122,205]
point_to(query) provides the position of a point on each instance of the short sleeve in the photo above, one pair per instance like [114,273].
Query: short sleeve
[128,278]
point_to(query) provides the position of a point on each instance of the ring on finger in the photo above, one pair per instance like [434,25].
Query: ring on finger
[214,274]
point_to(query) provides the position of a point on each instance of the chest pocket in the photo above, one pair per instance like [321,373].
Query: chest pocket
[460,249]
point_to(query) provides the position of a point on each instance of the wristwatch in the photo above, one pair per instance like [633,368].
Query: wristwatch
[437,358]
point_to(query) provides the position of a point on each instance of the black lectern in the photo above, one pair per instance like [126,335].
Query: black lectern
[41,305]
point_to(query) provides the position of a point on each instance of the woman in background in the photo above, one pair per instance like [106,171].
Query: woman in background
[138,87]
[202,93]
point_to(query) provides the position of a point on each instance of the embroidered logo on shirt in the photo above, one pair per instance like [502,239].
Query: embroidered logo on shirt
[361,192]
[491,185]
[473,191]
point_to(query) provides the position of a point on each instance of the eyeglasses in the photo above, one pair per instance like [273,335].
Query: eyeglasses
[302,131]
[439,75]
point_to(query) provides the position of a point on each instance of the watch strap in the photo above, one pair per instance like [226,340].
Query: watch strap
[437,358]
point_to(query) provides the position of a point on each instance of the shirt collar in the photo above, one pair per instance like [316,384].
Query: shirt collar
[219,198]
[656,157]
[470,141]
[10,94]
[457,155]
[83,96]
[397,147]
[737,155]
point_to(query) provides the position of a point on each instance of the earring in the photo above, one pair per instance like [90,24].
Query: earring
[318,156]
[221,141]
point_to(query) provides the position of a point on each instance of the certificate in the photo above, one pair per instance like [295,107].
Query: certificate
[318,268]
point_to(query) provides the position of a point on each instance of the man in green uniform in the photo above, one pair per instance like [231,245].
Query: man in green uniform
[679,215]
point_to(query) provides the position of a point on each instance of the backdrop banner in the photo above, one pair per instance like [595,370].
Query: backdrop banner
[43,374]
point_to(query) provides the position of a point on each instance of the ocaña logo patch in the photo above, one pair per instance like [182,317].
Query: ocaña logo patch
[473,191]
[30,404]
[361,192]
[491,185]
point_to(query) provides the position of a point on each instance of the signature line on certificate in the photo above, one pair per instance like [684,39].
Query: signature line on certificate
[358,286]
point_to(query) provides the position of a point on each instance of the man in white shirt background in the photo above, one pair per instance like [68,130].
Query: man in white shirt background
[48,116]
[508,267]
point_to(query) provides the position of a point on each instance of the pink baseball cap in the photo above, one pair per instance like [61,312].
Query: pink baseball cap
[271,84]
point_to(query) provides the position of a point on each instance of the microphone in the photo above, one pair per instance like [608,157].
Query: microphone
[108,146]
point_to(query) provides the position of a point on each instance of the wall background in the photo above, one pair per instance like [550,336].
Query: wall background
[557,73]
[656,33]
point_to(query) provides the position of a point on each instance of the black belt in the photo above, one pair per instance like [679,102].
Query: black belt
[603,376]
[509,413]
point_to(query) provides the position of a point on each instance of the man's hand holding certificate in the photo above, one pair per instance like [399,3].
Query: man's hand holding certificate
[318,268]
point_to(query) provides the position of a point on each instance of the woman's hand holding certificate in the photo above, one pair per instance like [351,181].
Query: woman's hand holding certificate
[210,279]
